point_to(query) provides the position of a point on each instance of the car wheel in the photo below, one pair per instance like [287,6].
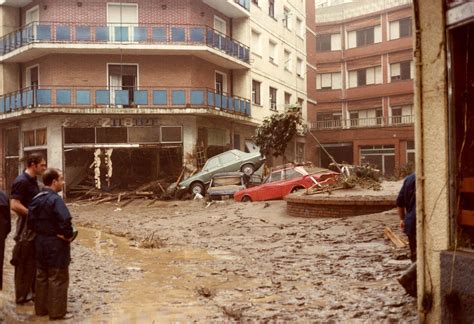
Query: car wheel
[248,169]
[246,199]
[197,188]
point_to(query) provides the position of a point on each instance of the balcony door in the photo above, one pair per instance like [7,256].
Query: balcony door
[220,27]
[121,20]
[123,80]
[31,20]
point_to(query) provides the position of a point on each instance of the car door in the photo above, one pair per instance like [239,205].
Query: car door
[229,161]
[211,167]
[272,189]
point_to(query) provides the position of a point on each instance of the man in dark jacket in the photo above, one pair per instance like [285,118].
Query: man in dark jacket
[5,228]
[50,219]
[406,206]
[24,188]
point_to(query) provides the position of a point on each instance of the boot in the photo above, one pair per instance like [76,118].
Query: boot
[408,280]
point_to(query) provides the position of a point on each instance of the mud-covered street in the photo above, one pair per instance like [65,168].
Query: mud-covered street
[227,261]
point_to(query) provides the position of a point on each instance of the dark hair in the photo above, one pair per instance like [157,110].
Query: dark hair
[34,158]
[49,175]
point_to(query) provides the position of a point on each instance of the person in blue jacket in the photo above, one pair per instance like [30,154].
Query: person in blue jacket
[50,219]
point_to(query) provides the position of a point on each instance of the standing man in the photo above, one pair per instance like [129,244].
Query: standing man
[406,206]
[5,228]
[50,219]
[24,188]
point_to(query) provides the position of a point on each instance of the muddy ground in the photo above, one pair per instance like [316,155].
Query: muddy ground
[228,261]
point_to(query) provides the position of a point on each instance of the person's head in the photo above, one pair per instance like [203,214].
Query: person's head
[36,164]
[53,178]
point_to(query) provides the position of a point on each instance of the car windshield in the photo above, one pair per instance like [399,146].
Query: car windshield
[211,163]
[226,181]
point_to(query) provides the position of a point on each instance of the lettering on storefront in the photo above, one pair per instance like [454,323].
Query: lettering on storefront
[112,122]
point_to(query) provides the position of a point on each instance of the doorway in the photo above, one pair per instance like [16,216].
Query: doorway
[122,77]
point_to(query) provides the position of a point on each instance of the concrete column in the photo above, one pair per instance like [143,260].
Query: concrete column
[190,133]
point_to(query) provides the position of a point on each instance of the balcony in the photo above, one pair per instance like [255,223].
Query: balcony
[38,39]
[392,121]
[108,99]
[231,8]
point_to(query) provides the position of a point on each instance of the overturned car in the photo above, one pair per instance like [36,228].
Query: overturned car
[224,185]
[230,161]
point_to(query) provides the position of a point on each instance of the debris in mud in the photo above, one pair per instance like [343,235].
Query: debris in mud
[397,240]
[151,242]
[205,292]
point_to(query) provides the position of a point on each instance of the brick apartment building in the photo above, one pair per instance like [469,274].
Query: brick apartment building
[364,84]
[136,84]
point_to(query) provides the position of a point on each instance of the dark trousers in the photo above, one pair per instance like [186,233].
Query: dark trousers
[412,243]
[25,274]
[2,255]
[51,292]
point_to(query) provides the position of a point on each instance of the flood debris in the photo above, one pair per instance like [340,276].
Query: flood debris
[397,240]
[204,291]
[151,242]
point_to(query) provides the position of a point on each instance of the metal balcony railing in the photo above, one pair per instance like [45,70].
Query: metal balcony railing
[122,97]
[127,34]
[243,3]
[363,122]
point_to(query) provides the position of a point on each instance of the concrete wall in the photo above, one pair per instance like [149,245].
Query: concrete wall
[433,228]
[9,73]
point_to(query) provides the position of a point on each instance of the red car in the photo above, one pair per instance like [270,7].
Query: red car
[284,181]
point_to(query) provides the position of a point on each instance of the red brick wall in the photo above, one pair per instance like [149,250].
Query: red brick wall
[91,70]
[149,11]
[299,205]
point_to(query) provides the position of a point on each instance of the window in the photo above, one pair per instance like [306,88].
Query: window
[256,92]
[272,51]
[299,67]
[366,118]
[287,62]
[287,99]
[400,28]
[328,42]
[328,120]
[286,18]
[256,47]
[35,137]
[325,81]
[273,98]
[271,8]
[323,43]
[368,76]
[364,37]
[299,27]
[400,71]
[402,114]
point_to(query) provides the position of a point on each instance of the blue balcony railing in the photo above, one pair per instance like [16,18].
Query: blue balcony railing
[243,3]
[44,32]
[102,97]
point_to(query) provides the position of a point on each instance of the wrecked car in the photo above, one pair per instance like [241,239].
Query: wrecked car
[230,161]
[225,185]
[283,181]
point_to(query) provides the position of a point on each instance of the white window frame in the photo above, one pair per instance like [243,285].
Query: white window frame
[224,78]
[28,74]
[130,25]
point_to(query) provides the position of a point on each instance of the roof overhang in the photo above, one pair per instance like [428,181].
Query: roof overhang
[228,8]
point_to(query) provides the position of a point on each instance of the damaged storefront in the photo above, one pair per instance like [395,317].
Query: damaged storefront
[119,153]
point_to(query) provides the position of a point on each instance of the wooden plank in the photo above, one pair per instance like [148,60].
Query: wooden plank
[467,185]
[467,218]
[398,241]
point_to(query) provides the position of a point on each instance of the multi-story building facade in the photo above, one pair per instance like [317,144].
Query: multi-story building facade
[138,83]
[364,84]
[278,59]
